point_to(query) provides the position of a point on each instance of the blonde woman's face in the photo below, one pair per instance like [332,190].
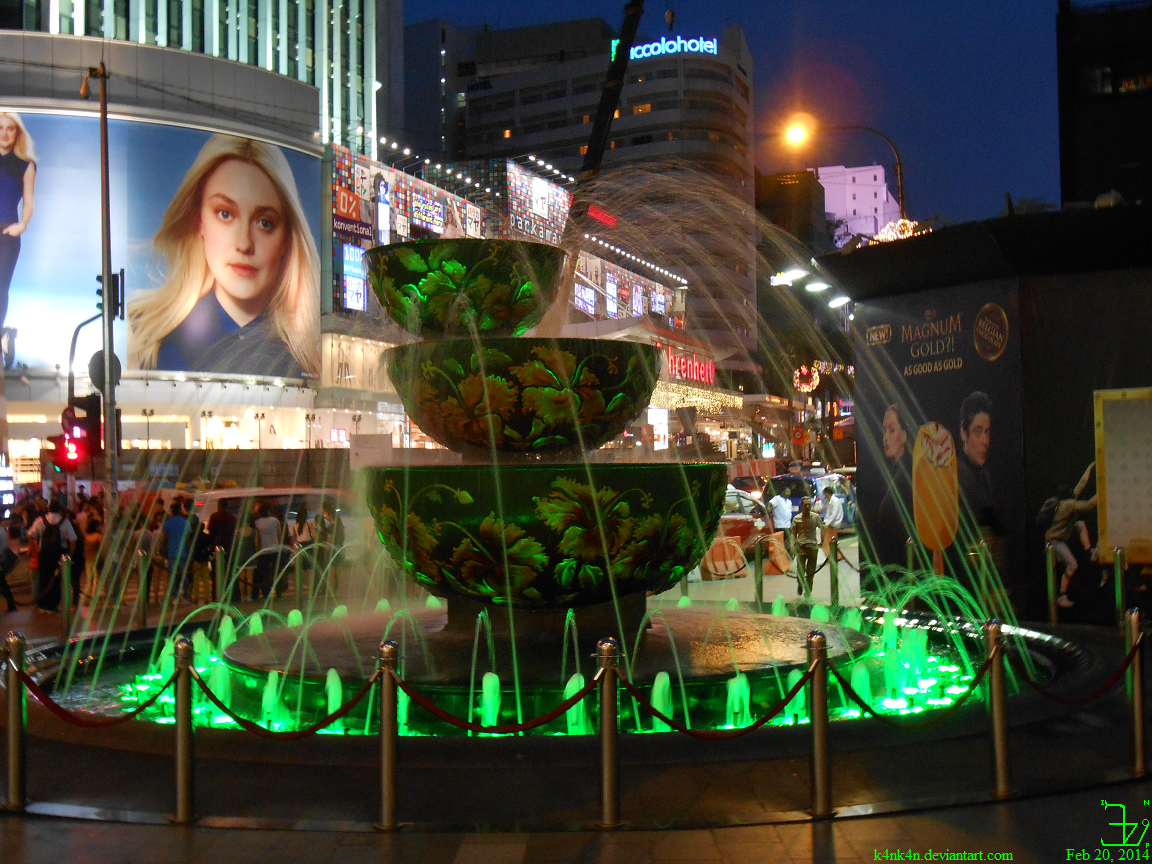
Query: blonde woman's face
[9,132]
[244,227]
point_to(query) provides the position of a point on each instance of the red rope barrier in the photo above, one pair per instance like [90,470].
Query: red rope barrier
[1095,694]
[718,734]
[257,729]
[506,729]
[79,719]
[915,724]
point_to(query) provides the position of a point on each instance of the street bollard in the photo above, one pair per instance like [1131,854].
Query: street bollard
[606,652]
[221,580]
[997,699]
[1050,561]
[1135,621]
[387,663]
[910,554]
[185,743]
[1120,565]
[758,574]
[17,719]
[66,596]
[834,572]
[818,720]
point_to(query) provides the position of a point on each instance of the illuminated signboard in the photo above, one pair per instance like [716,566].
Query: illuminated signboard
[637,301]
[355,296]
[610,289]
[383,212]
[427,212]
[690,368]
[679,45]
[656,298]
[585,298]
[537,208]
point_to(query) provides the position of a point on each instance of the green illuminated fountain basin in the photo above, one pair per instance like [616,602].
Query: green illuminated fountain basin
[524,395]
[545,535]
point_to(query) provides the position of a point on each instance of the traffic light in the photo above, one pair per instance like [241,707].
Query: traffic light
[87,427]
[68,453]
[116,294]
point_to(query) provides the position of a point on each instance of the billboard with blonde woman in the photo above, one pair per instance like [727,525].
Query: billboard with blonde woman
[217,234]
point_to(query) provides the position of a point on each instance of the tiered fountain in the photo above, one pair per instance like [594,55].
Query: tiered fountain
[539,547]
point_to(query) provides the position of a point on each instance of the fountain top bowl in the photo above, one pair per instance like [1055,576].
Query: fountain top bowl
[466,287]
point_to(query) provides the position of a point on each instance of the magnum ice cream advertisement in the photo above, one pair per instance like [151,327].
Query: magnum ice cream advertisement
[939,422]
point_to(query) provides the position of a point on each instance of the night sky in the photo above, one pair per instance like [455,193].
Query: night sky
[966,90]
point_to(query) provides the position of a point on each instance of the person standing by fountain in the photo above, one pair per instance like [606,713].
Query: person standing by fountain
[806,530]
[303,541]
[269,537]
[330,537]
[55,536]
[177,544]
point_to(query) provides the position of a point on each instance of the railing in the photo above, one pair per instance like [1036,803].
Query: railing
[607,680]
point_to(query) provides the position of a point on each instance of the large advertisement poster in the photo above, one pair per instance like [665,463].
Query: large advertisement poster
[939,428]
[217,235]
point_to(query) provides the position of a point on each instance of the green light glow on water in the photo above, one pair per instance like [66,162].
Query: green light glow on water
[899,675]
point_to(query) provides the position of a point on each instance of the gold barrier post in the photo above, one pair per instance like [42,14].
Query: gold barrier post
[17,718]
[606,652]
[818,720]
[997,699]
[387,663]
[185,742]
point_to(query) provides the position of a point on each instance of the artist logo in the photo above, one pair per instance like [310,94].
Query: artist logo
[990,332]
[880,334]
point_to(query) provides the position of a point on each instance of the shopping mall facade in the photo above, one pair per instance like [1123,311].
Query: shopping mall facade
[319,379]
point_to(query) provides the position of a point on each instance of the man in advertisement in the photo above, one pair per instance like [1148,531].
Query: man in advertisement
[939,366]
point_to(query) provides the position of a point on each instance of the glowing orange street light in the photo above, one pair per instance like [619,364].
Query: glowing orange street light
[803,126]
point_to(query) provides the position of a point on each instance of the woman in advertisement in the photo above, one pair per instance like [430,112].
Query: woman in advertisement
[17,186]
[241,288]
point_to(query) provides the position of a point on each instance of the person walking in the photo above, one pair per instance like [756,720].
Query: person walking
[781,509]
[806,528]
[55,537]
[832,515]
[9,558]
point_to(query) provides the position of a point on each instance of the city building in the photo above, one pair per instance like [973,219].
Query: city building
[1104,68]
[857,200]
[795,202]
[535,90]
[350,50]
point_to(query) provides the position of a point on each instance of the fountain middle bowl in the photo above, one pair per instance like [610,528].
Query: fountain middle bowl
[525,395]
[546,536]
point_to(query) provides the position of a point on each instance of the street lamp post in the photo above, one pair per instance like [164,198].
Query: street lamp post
[148,413]
[111,444]
[796,134]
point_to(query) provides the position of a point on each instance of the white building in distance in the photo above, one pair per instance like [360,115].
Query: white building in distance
[858,198]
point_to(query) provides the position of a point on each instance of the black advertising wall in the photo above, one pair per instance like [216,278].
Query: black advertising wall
[939,427]
[1081,332]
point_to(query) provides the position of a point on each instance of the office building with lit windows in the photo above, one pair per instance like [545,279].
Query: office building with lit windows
[350,50]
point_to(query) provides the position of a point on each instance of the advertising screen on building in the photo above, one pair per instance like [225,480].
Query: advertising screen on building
[355,295]
[216,234]
[537,208]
